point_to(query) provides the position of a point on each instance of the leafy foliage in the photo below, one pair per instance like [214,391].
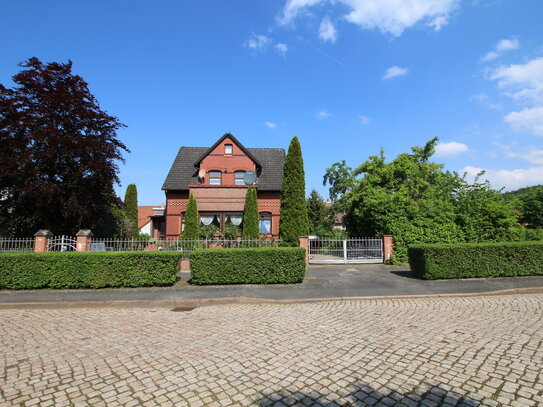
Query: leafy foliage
[58,153]
[250,215]
[476,260]
[532,208]
[294,221]
[416,201]
[272,265]
[231,232]
[131,211]
[88,270]
[192,226]
[208,231]
[320,216]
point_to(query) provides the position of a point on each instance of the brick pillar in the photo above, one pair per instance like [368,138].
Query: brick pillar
[41,240]
[83,240]
[388,247]
[304,242]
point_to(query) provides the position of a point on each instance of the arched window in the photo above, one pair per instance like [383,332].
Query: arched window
[238,178]
[215,178]
[265,223]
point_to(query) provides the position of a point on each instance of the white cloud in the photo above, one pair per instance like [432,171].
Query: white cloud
[523,82]
[323,114]
[394,71]
[533,156]
[501,47]
[483,99]
[365,120]
[530,120]
[450,148]
[294,7]
[281,49]
[270,125]
[327,31]
[388,16]
[257,43]
[510,179]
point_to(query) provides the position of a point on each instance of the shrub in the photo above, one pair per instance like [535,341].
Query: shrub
[271,265]
[436,261]
[250,215]
[192,225]
[88,270]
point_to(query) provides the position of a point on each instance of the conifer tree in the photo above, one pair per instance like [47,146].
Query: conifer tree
[192,227]
[294,219]
[131,211]
[250,215]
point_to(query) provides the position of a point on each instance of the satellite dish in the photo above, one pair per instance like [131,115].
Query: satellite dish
[249,178]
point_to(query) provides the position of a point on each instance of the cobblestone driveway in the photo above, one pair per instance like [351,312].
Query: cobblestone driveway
[440,351]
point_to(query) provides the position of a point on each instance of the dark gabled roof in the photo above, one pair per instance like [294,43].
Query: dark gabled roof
[219,141]
[184,173]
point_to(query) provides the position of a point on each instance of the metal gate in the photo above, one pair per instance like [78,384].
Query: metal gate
[62,244]
[353,250]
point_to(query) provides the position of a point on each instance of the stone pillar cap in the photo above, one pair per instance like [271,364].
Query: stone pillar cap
[43,233]
[84,232]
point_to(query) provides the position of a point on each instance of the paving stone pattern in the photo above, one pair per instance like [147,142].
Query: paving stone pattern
[466,351]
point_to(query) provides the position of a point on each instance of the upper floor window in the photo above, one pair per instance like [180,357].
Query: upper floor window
[215,178]
[228,149]
[238,178]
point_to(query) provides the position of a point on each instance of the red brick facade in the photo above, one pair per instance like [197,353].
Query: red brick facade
[227,157]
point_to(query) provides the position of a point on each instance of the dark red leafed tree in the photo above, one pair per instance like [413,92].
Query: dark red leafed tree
[58,153]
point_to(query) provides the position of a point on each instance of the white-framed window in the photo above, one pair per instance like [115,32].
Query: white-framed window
[228,149]
[265,223]
[215,177]
[238,178]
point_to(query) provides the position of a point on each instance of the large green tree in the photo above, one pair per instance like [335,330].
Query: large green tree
[131,211]
[192,226]
[250,215]
[417,201]
[532,207]
[58,153]
[320,215]
[294,221]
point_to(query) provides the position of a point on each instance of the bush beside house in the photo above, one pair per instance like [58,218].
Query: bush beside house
[274,265]
[88,269]
[441,261]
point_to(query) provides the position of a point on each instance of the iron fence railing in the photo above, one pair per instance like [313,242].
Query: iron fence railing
[182,245]
[16,245]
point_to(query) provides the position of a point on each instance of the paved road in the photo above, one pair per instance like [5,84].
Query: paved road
[463,351]
[328,281]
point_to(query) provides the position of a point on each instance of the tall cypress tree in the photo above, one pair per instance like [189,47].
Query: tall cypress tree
[250,215]
[192,227]
[294,220]
[131,211]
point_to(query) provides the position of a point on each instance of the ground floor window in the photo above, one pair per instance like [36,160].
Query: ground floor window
[265,222]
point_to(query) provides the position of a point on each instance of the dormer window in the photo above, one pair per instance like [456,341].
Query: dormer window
[215,177]
[228,149]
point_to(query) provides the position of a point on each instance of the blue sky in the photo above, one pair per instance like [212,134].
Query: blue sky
[345,76]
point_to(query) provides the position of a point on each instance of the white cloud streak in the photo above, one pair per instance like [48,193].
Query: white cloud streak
[387,16]
[501,47]
[395,71]
[528,120]
[270,125]
[365,120]
[510,179]
[281,49]
[257,43]
[323,114]
[451,148]
[327,31]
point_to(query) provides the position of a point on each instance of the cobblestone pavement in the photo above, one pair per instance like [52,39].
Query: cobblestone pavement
[431,352]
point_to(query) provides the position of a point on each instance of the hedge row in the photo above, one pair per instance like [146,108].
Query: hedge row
[272,265]
[436,261]
[88,270]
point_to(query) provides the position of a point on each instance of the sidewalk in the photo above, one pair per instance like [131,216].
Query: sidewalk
[327,282]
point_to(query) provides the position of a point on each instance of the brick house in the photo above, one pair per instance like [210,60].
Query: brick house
[218,177]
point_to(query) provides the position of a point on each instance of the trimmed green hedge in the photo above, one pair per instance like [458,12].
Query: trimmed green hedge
[436,261]
[88,270]
[271,265]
